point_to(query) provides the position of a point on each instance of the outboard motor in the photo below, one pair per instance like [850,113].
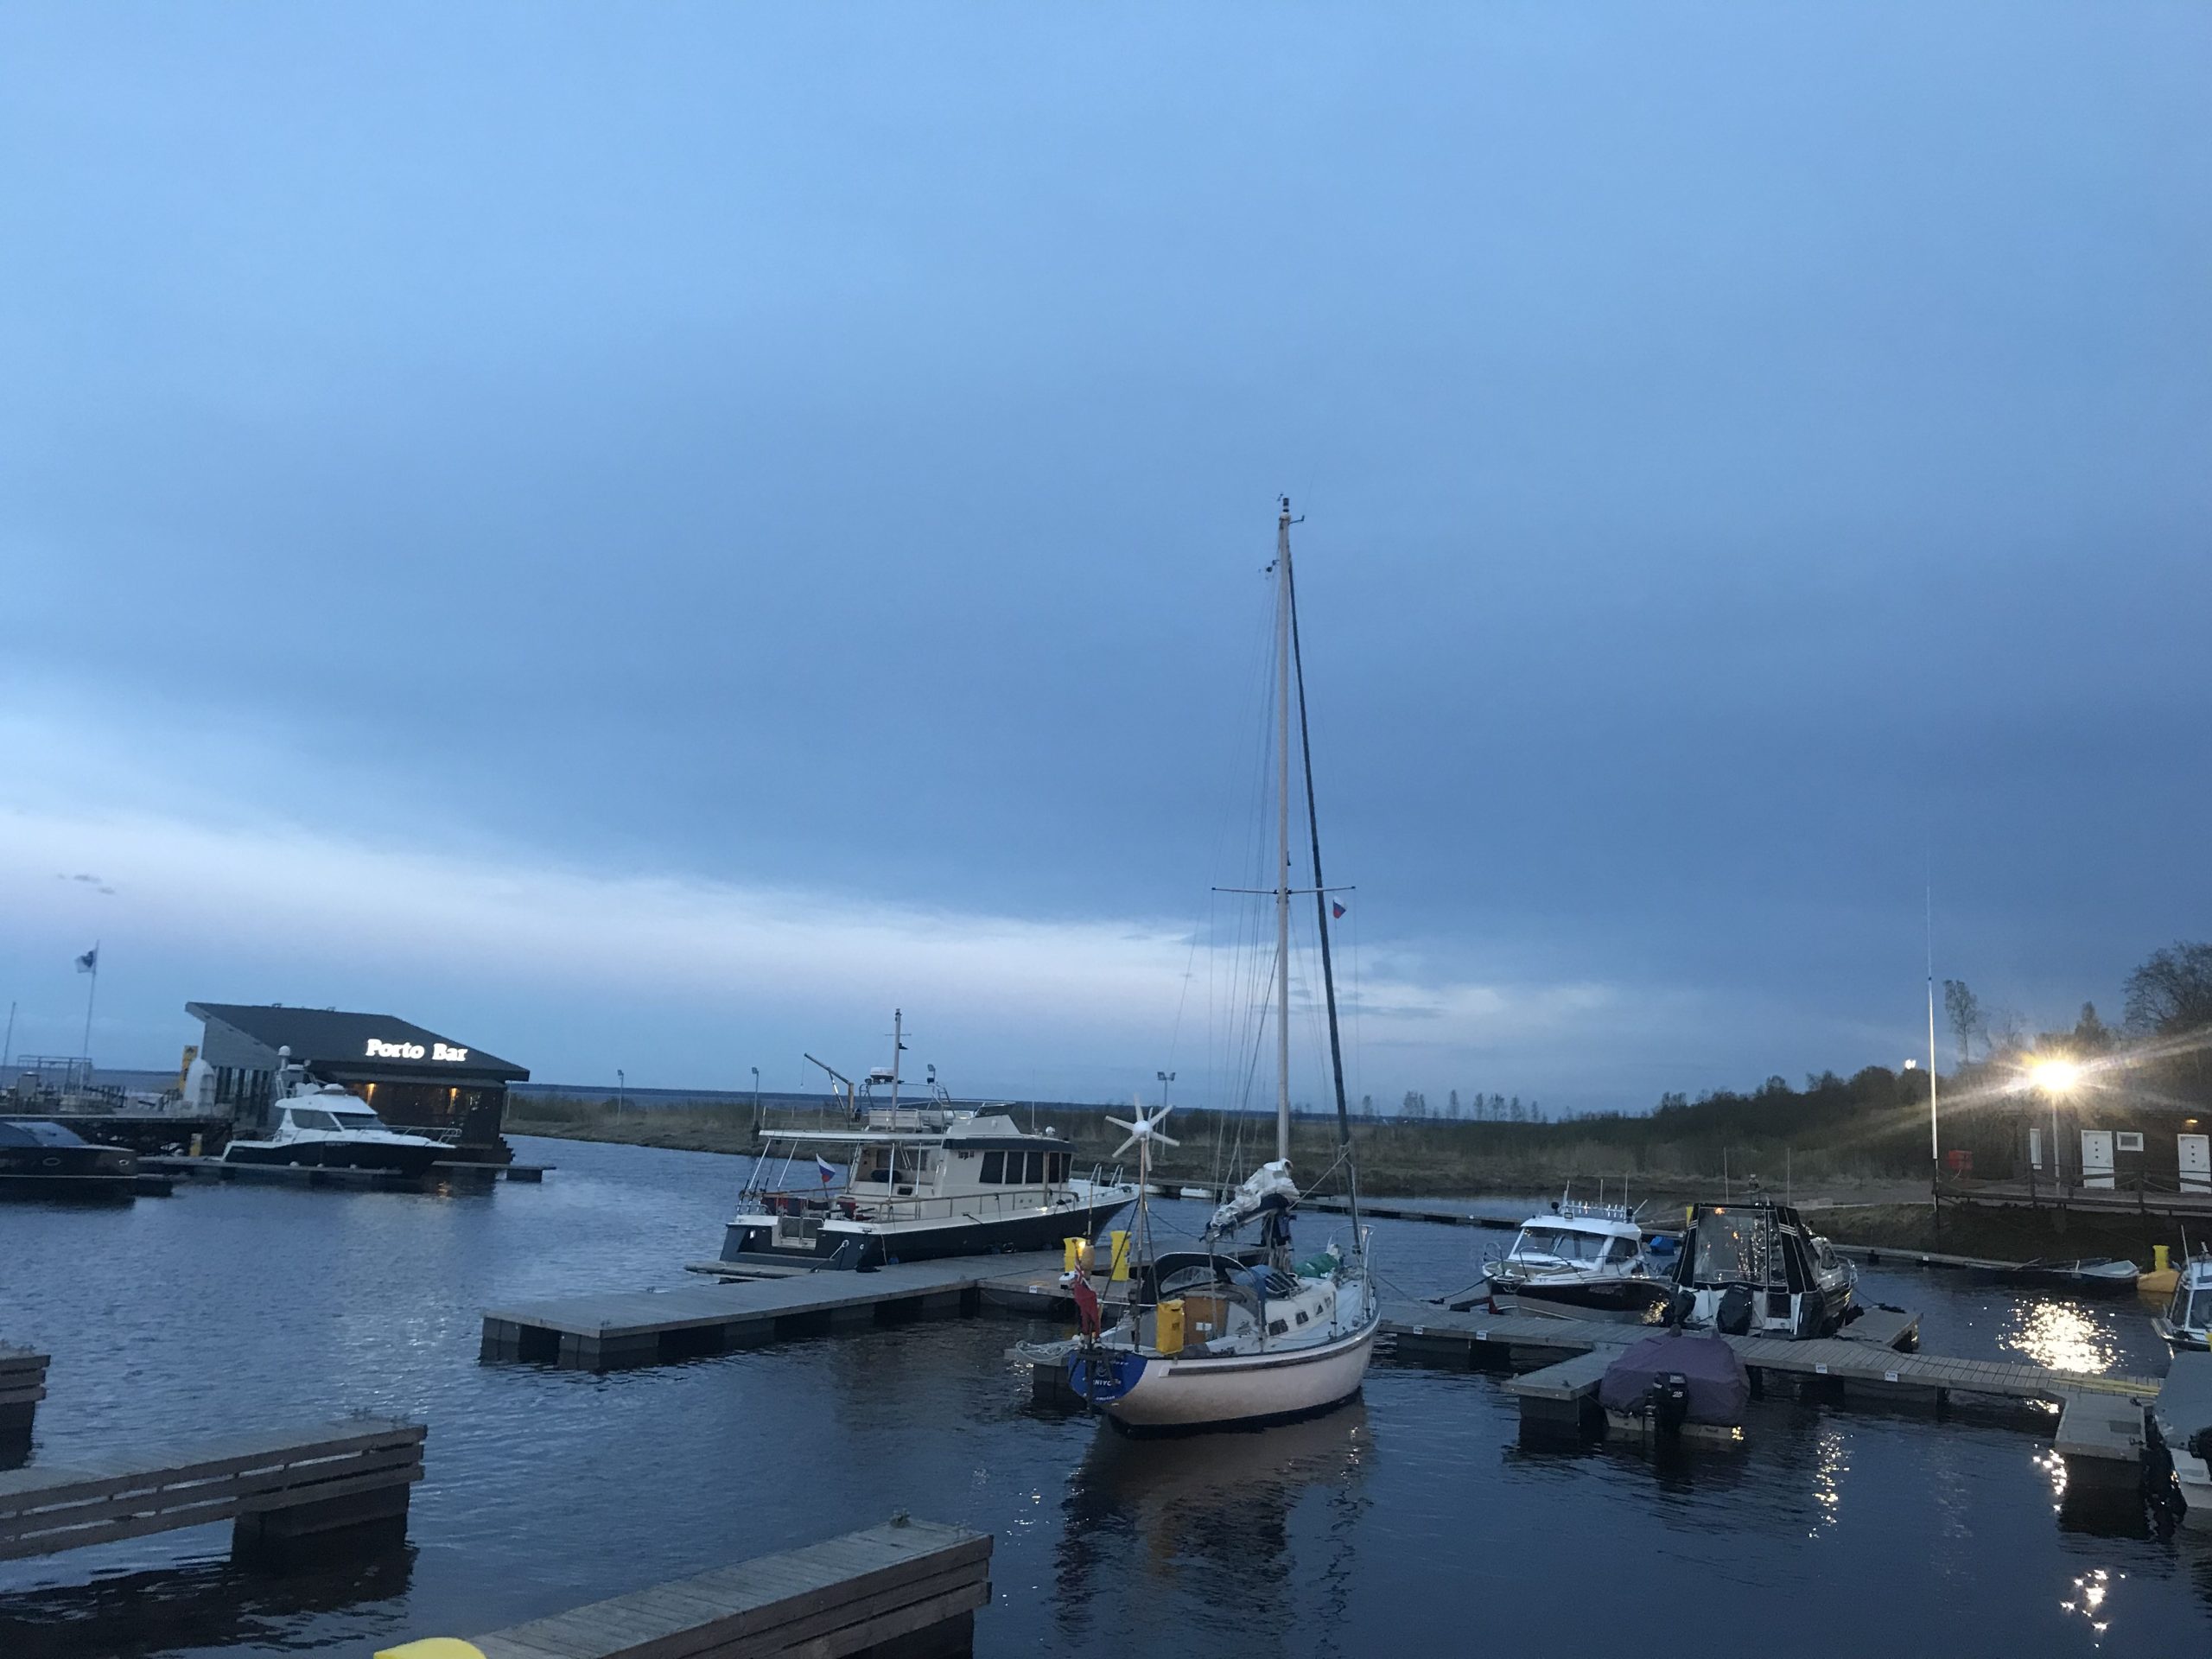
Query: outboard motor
[2200,1445]
[1734,1317]
[1681,1307]
[1667,1400]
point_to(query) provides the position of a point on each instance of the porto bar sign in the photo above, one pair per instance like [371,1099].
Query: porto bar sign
[380,1050]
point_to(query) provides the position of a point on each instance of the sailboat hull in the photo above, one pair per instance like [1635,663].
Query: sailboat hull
[1233,1390]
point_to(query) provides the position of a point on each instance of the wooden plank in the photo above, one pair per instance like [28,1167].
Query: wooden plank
[863,1580]
[292,1483]
[25,1489]
[114,1531]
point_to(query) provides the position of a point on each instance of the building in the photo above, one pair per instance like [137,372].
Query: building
[413,1079]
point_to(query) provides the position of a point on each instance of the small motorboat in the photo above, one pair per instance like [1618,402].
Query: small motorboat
[1757,1269]
[325,1127]
[1677,1386]
[1580,1261]
[2187,1322]
[42,1159]
[2091,1277]
[2183,1416]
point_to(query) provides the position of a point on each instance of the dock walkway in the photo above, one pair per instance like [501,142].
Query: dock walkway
[910,1588]
[346,1479]
[1867,1357]
[649,1327]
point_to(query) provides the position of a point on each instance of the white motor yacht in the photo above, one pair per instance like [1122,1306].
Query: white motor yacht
[325,1127]
[1580,1261]
[2187,1321]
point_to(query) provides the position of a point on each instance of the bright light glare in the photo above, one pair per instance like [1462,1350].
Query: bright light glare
[2055,1077]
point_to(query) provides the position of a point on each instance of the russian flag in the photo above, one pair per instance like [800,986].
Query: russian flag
[1336,910]
[827,1170]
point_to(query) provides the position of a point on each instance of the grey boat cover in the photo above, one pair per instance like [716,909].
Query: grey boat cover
[1715,1380]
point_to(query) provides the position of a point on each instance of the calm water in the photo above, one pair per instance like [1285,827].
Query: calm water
[1415,1518]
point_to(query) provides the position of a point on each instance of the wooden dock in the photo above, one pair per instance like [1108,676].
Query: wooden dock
[909,1588]
[1563,1357]
[651,1327]
[22,1385]
[342,1483]
[377,1180]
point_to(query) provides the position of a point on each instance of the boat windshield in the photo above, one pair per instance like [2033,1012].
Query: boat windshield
[1731,1250]
[307,1117]
[357,1120]
[1561,1242]
[2178,1314]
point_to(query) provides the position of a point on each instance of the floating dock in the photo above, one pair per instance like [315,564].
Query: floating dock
[1868,1351]
[910,1589]
[22,1385]
[345,1483]
[651,1327]
[379,1180]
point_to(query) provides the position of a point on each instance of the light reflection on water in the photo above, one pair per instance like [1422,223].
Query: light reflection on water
[1375,1529]
[2064,1336]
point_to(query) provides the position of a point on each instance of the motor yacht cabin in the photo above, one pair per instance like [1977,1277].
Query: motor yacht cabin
[906,1184]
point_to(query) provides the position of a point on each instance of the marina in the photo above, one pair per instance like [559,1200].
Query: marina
[925,1399]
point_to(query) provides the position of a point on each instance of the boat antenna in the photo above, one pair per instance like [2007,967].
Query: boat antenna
[1320,888]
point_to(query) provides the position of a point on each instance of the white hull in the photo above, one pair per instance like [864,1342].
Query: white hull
[1246,1388]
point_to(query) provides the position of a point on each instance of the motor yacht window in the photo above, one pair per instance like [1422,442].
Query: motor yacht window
[357,1120]
[1036,1175]
[1563,1243]
[994,1168]
[307,1117]
[1059,1168]
[1621,1250]
[1276,1327]
[873,1166]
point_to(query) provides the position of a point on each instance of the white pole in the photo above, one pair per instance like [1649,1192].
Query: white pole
[898,1046]
[1282,832]
[1935,1144]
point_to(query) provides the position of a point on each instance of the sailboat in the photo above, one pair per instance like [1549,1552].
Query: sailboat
[1224,1336]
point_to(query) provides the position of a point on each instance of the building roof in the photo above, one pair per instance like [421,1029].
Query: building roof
[346,1047]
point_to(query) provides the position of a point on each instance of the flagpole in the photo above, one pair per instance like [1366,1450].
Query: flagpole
[92,991]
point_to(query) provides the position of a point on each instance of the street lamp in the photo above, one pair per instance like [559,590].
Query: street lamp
[1166,1077]
[2053,1077]
[756,1098]
[621,1091]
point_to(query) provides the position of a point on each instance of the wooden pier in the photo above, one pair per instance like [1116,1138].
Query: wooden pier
[1559,1363]
[344,1484]
[651,1327]
[379,1180]
[22,1385]
[910,1589]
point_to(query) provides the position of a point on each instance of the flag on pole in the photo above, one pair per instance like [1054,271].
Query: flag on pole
[90,962]
[827,1170]
[1336,910]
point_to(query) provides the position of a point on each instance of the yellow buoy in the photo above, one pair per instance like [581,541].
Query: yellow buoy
[433,1647]
[1121,1242]
[1167,1332]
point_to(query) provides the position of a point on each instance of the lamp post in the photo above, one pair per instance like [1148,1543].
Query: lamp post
[756,1099]
[1166,1077]
[2053,1077]
[621,1091]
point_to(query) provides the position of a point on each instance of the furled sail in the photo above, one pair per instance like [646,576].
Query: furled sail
[1268,1191]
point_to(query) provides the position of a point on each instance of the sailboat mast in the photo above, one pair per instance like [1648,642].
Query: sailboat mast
[1282,832]
[1321,924]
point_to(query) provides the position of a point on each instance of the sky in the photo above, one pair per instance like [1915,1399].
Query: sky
[648,539]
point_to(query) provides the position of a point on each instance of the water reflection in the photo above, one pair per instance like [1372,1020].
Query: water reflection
[203,1603]
[1250,1533]
[2062,1336]
[2088,1598]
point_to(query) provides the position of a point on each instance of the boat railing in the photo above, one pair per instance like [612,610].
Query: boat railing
[855,1206]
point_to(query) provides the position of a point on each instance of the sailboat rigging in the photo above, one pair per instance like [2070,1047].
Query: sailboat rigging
[1214,1337]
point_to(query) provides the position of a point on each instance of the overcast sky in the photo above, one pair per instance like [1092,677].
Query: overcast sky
[646,539]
